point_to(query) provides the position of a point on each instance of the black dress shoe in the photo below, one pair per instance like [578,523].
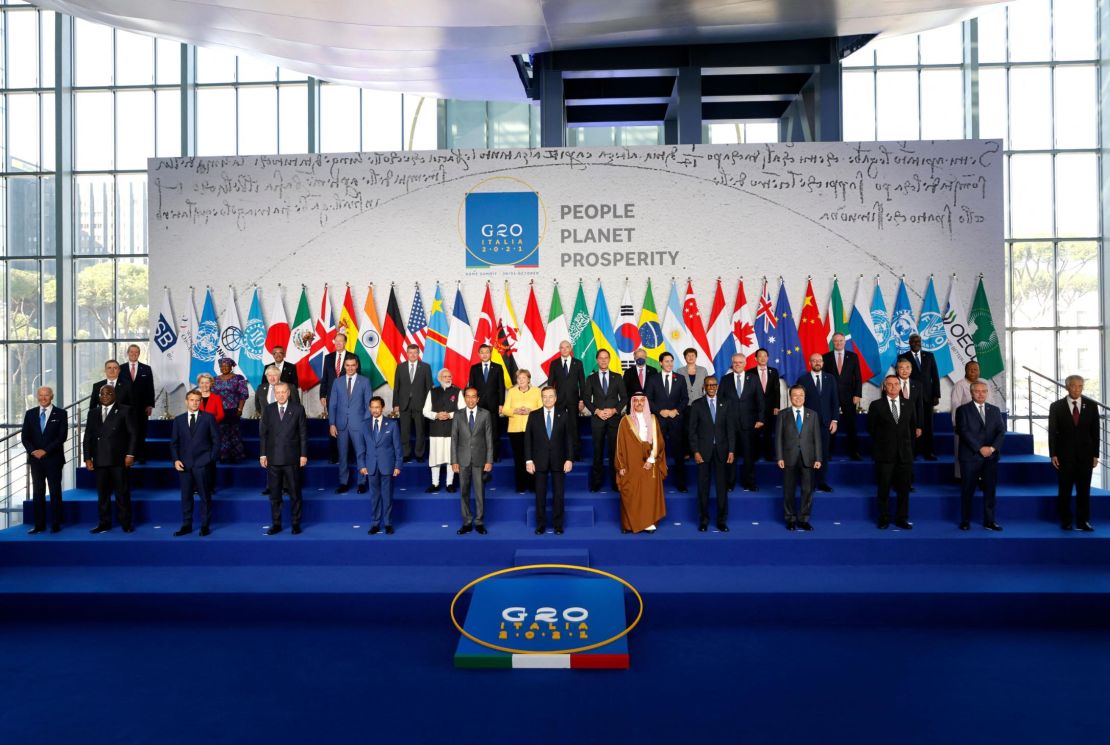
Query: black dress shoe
[486,476]
[431,489]
[930,456]
[965,525]
[540,531]
[342,489]
[722,527]
[1085,527]
[791,526]
[362,488]
[480,529]
[1065,526]
[205,531]
[824,487]
[558,531]
[274,530]
[333,462]
[128,528]
[374,530]
[702,527]
[913,488]
[36,531]
[265,492]
[389,530]
[884,524]
[56,529]
[805,526]
[183,531]
[626,531]
[100,529]
[904,524]
[992,526]
[407,459]
[856,456]
[451,488]
[296,530]
[751,487]
[464,530]
[682,490]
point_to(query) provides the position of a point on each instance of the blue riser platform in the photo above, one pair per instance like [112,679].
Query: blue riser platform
[1029,503]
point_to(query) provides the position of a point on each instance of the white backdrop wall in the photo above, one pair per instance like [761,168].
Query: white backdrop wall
[883,209]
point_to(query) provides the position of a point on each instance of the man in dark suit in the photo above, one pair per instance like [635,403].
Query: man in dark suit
[711,432]
[44,432]
[924,372]
[890,424]
[844,366]
[911,391]
[471,457]
[669,399]
[350,398]
[488,378]
[194,444]
[567,375]
[111,380]
[981,430]
[139,380]
[379,459]
[606,398]
[1073,444]
[741,388]
[266,393]
[798,448]
[639,374]
[287,372]
[548,447]
[823,398]
[333,369]
[411,383]
[109,450]
[283,444]
[768,378]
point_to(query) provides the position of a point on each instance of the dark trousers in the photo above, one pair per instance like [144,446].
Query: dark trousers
[605,443]
[558,479]
[141,423]
[745,458]
[924,445]
[284,477]
[674,437]
[717,468]
[972,473]
[1073,475]
[576,434]
[764,442]
[521,478]
[845,427]
[412,422]
[109,480]
[43,475]
[495,423]
[826,447]
[792,476]
[897,476]
[196,479]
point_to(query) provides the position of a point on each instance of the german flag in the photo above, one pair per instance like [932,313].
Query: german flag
[392,349]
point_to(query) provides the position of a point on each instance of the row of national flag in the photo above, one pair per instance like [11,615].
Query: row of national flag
[184,347]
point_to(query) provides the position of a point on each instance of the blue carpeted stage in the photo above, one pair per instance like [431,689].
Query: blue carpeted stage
[846,634]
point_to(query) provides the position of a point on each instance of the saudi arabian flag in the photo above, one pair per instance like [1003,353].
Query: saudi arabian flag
[987,351]
[582,333]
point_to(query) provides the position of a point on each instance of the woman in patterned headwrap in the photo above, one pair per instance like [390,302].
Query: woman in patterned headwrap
[641,467]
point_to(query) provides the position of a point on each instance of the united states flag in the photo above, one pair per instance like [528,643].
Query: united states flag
[418,322]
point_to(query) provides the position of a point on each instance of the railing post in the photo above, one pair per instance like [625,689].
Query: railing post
[1029,400]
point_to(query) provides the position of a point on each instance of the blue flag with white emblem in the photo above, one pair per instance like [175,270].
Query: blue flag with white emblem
[934,338]
[254,342]
[880,324]
[902,325]
[793,360]
[206,340]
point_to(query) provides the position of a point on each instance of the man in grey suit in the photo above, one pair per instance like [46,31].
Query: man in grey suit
[411,384]
[471,456]
[798,451]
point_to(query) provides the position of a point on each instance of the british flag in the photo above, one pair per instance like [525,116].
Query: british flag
[418,322]
[766,333]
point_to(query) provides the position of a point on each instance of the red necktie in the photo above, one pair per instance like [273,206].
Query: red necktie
[641,377]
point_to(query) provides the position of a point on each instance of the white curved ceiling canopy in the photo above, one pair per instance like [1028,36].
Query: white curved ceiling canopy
[463,48]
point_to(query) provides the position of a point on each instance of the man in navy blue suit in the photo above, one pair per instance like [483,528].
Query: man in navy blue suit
[347,403]
[712,436]
[194,444]
[549,451]
[44,438]
[822,397]
[742,387]
[981,431]
[378,446]
[669,399]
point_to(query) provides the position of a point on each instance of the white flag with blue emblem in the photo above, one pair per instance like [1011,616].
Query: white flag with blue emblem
[231,334]
[206,340]
[169,356]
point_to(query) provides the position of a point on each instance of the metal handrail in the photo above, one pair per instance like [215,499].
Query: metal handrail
[1058,384]
[1042,397]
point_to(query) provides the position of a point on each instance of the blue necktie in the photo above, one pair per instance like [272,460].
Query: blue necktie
[604,383]
[42,420]
[713,409]
[798,421]
[549,425]
[377,428]
[471,420]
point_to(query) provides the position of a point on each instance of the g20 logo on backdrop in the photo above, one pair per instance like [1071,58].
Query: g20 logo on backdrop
[502,222]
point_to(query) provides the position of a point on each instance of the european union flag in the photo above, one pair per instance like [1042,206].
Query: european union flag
[793,360]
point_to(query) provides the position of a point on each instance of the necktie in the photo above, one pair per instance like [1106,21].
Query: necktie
[667,383]
[281,412]
[713,409]
[133,372]
[982,414]
[605,383]
[917,356]
[641,373]
[412,372]
[42,420]
[350,386]
[798,420]
[1075,412]
[839,362]
[192,421]
[549,424]
[566,366]
[472,420]
[338,363]
[485,372]
[763,379]
[739,378]
[377,427]
[906,388]
[104,414]
[894,409]
[817,379]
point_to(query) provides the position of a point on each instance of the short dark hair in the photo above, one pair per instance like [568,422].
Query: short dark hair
[379,399]
[665,354]
[485,346]
[413,346]
[797,387]
[687,351]
[547,388]
[888,377]
[112,361]
[707,379]
[194,392]
[600,352]
[277,347]
[470,388]
[762,349]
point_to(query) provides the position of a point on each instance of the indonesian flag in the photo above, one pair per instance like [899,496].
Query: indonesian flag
[743,328]
[530,350]
[691,316]
[460,342]
[277,335]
